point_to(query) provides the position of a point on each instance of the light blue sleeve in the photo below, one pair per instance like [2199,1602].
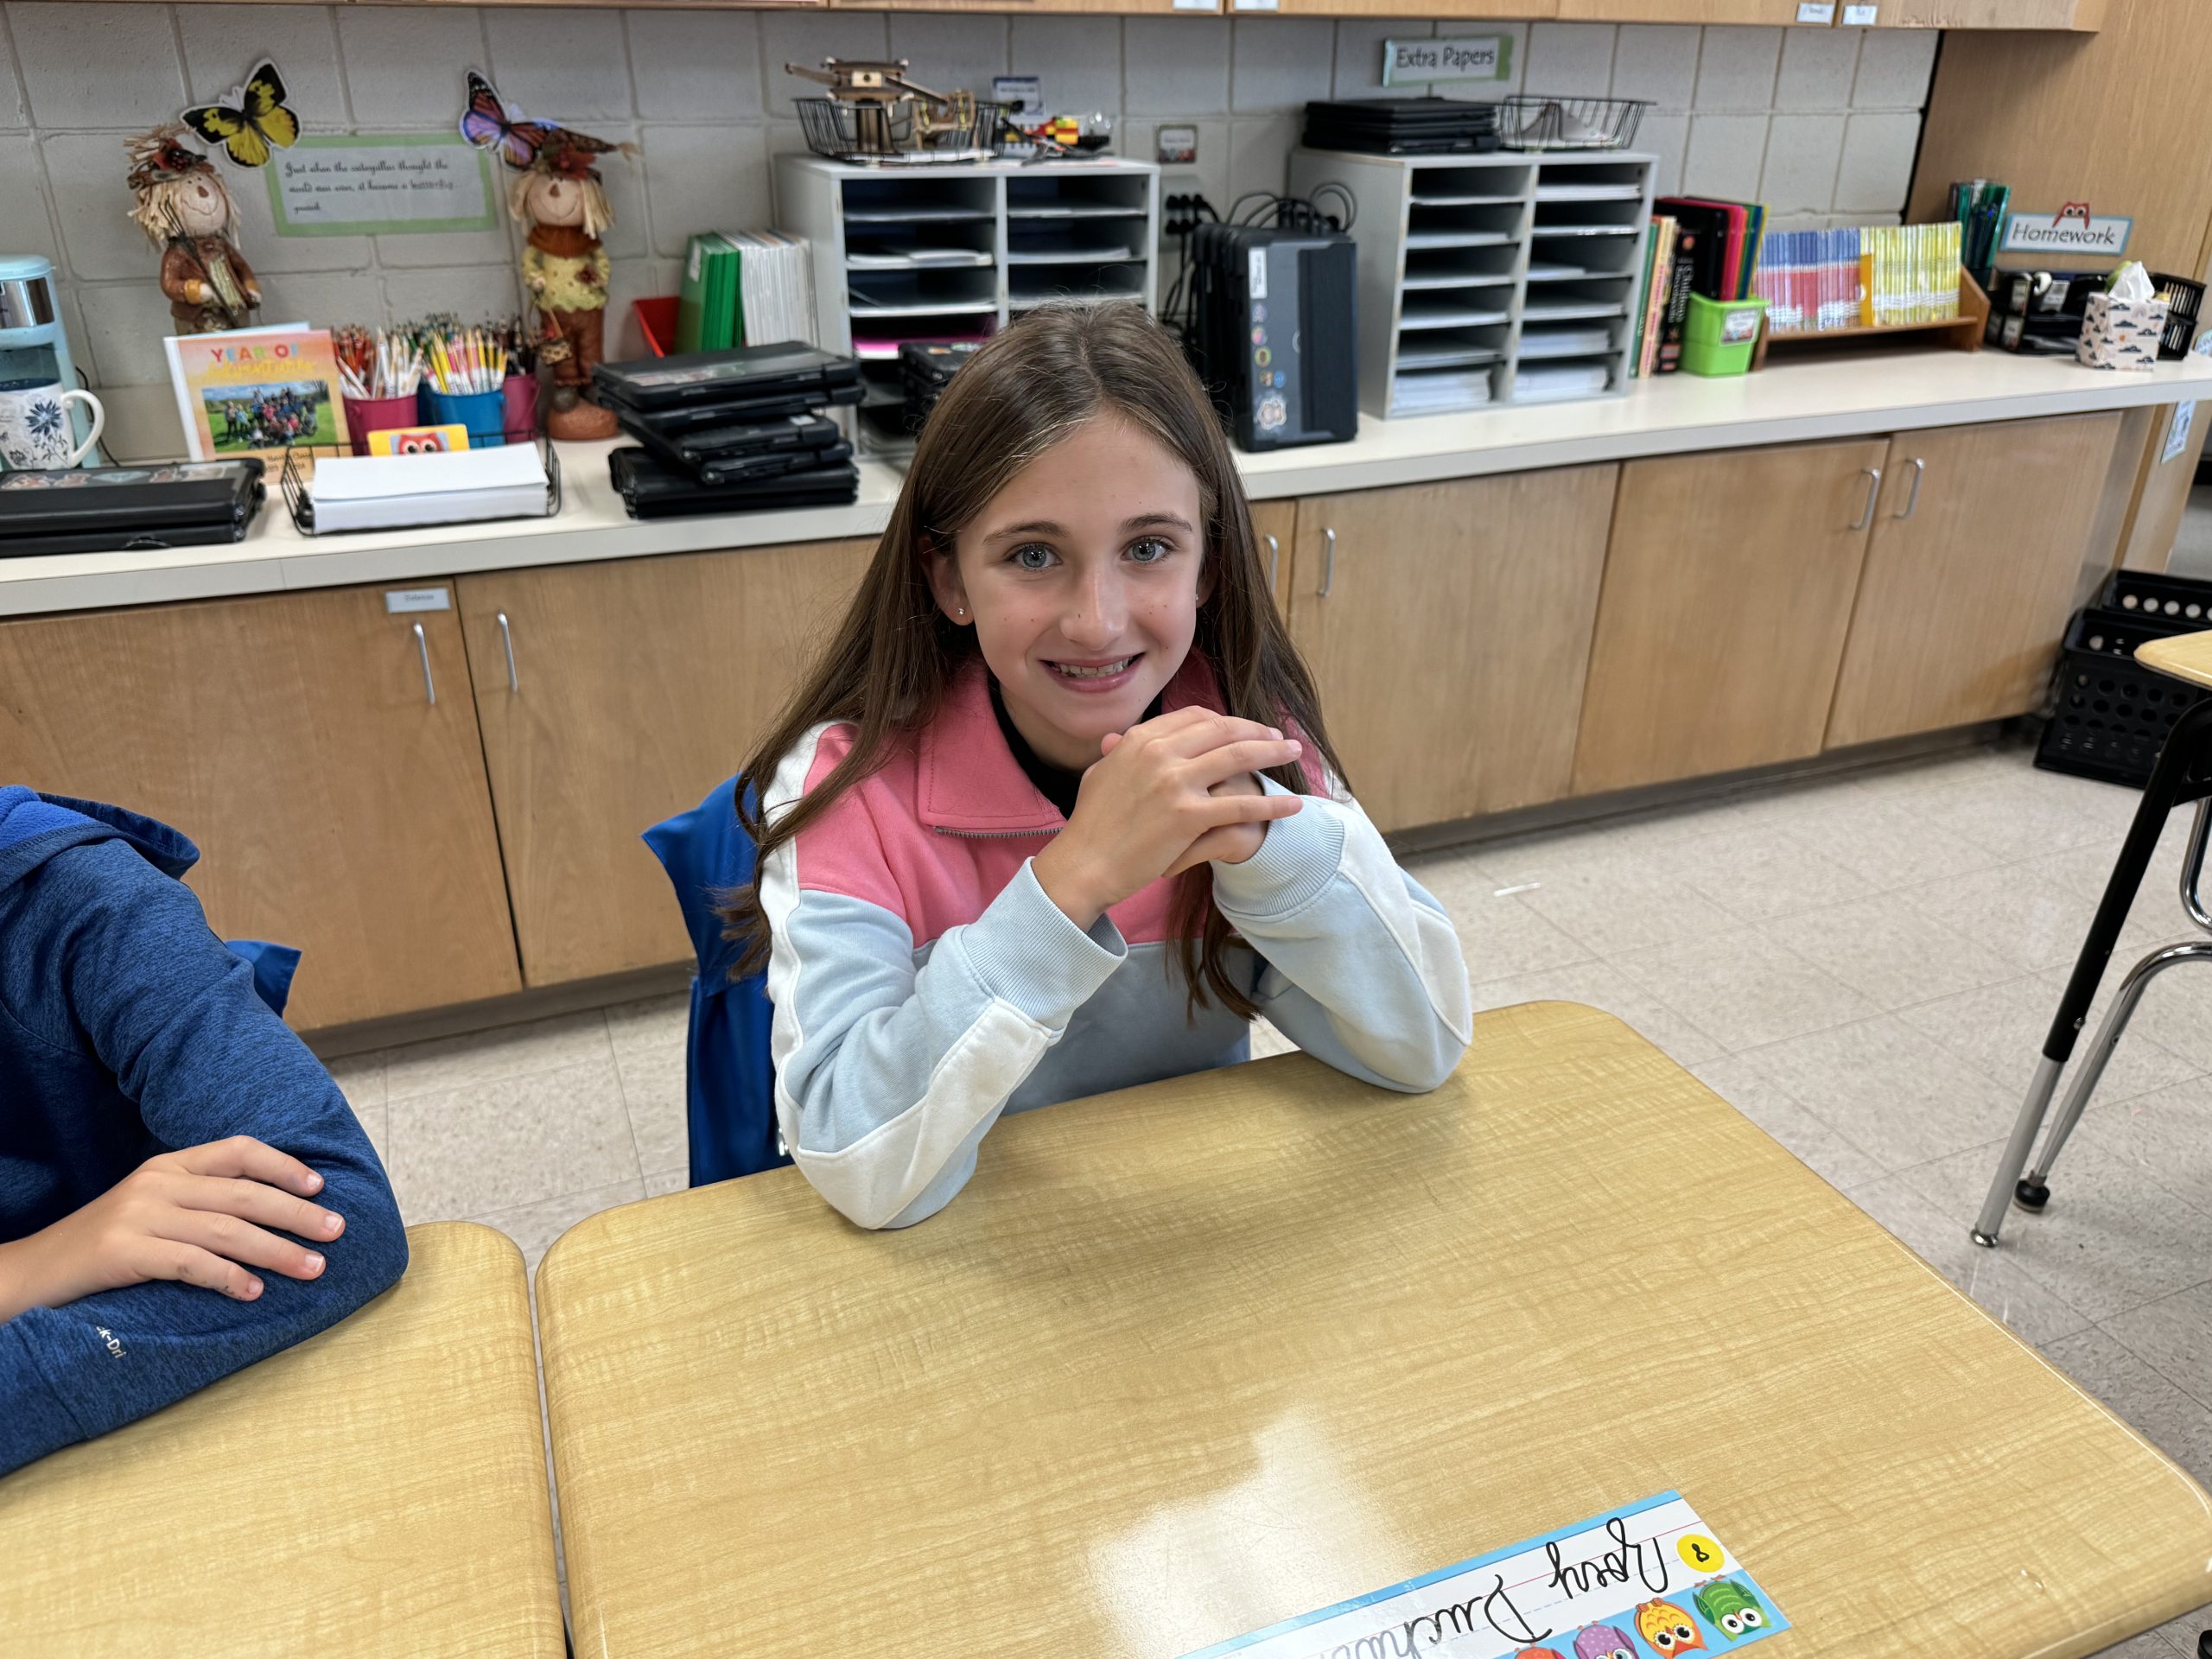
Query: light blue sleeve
[1362,967]
[888,1075]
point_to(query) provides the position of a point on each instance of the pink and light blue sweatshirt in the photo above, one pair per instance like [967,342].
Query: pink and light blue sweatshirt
[924,983]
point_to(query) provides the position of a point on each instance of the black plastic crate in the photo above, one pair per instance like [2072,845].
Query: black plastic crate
[2185,601]
[2110,718]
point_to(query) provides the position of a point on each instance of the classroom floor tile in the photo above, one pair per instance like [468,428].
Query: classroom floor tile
[1864,965]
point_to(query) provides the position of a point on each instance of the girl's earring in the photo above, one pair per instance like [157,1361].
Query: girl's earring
[960,610]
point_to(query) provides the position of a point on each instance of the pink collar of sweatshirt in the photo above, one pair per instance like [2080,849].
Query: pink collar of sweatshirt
[967,779]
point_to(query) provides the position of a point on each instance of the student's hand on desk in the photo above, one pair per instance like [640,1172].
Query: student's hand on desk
[201,1216]
[1156,797]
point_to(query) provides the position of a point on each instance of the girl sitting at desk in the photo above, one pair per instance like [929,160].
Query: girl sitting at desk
[1056,812]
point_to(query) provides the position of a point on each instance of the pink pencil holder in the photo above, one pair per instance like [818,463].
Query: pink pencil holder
[518,393]
[367,415]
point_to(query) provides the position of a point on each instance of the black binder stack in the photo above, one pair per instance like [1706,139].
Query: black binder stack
[926,368]
[1400,126]
[731,431]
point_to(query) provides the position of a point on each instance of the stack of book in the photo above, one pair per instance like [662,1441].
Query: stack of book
[1860,276]
[1696,245]
[744,288]
[731,431]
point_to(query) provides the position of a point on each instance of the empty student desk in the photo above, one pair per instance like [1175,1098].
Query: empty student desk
[1186,1359]
[379,1489]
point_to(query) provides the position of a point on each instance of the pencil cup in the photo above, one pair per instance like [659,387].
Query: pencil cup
[367,415]
[484,413]
[519,393]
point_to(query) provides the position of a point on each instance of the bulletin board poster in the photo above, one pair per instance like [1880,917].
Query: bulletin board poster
[1650,1581]
[368,184]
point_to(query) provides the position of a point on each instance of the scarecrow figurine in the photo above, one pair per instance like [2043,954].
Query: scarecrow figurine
[187,214]
[560,198]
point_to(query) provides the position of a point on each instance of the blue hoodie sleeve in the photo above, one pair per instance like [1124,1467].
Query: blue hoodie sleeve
[132,972]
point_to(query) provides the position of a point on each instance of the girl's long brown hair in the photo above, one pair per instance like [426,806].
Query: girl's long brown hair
[886,669]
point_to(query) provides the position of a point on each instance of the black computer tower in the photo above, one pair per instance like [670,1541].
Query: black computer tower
[1275,333]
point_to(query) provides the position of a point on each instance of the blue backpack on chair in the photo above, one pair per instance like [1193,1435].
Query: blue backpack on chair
[730,1077]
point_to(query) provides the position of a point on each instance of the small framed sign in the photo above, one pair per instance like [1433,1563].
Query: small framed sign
[1179,146]
[362,184]
[2072,230]
[1458,57]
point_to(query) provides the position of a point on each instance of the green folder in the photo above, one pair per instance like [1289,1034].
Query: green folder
[725,320]
[706,305]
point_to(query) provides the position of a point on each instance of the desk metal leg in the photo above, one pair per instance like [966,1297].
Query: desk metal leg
[2168,784]
[2034,1192]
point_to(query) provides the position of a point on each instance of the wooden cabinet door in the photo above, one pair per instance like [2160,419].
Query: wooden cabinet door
[637,686]
[1275,523]
[1449,628]
[1968,586]
[337,808]
[1727,596]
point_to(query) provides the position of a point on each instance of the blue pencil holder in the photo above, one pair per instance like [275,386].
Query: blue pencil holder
[484,413]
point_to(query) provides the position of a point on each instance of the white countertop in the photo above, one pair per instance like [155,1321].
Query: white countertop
[1787,402]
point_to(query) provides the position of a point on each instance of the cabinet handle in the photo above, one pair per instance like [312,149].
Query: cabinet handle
[1919,472]
[422,647]
[507,639]
[1274,555]
[1328,563]
[1873,493]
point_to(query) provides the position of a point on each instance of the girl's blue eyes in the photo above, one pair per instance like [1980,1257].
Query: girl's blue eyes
[1036,555]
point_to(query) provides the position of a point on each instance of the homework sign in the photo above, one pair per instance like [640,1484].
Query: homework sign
[1650,1581]
[2073,229]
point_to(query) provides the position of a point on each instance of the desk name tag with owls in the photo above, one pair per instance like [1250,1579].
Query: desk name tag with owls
[1649,1581]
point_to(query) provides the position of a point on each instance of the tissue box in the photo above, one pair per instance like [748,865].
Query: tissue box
[2120,333]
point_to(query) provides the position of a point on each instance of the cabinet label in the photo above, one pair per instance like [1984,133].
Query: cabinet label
[1198,5]
[1256,5]
[1816,11]
[397,599]
[1860,17]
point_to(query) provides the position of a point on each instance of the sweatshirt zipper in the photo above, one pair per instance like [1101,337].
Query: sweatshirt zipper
[994,834]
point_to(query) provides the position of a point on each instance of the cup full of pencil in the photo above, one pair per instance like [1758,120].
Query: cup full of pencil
[378,375]
[464,370]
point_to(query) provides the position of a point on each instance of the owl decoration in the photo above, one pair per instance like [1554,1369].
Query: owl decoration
[1668,1628]
[1604,1641]
[1729,1608]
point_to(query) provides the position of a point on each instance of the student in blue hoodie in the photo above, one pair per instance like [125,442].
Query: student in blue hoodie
[183,1190]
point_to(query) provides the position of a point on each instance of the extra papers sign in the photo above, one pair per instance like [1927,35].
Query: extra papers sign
[1465,57]
[2072,230]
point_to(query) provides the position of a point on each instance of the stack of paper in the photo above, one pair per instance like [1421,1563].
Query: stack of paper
[1437,390]
[745,287]
[443,487]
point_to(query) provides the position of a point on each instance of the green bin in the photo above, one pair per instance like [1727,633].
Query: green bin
[1718,335]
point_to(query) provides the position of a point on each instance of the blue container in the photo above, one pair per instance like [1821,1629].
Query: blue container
[484,413]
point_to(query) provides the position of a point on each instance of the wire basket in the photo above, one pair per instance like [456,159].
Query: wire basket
[847,131]
[1529,121]
[2184,303]
[298,482]
[838,129]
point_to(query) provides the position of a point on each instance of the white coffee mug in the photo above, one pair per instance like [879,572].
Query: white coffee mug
[34,427]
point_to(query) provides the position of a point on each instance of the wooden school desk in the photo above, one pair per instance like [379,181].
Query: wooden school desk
[1190,1359]
[380,1489]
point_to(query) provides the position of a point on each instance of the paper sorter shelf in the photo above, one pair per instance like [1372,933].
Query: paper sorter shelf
[859,306]
[1446,357]
[1421,200]
[1434,315]
[1589,193]
[1563,310]
[1078,210]
[1121,256]
[1587,230]
[1458,240]
[1563,342]
[910,215]
[1457,279]
[918,259]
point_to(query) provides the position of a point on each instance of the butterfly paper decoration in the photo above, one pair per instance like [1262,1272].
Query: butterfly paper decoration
[259,119]
[490,124]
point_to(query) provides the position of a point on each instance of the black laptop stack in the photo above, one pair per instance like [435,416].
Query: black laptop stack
[732,431]
[1400,126]
[103,509]
[926,368]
